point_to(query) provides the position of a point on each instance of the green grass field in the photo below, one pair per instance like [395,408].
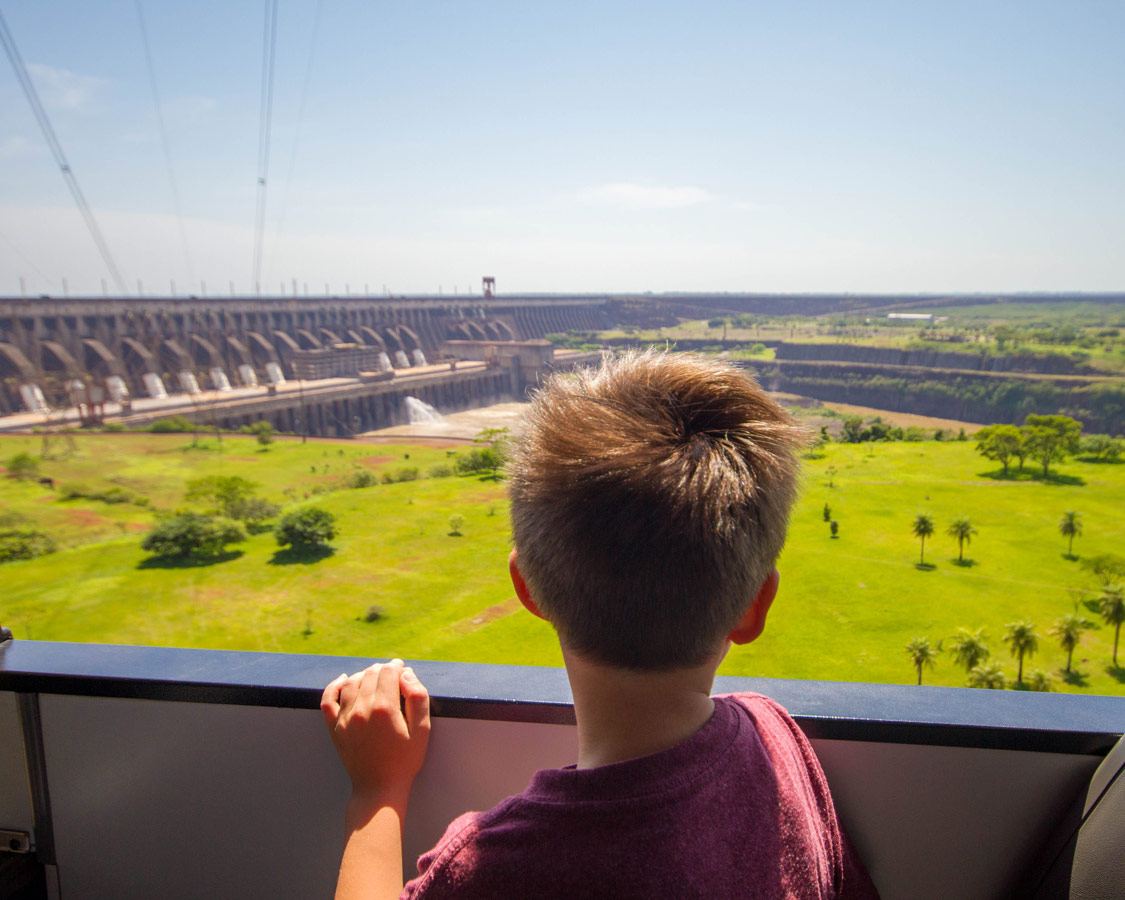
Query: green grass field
[846,610]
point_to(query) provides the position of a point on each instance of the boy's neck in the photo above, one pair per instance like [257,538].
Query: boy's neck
[624,714]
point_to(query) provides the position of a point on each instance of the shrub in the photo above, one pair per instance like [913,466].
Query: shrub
[115,494]
[23,467]
[440,471]
[262,429]
[455,523]
[173,425]
[222,490]
[20,539]
[479,459]
[306,528]
[253,511]
[114,427]
[408,474]
[373,614]
[193,535]
[362,478]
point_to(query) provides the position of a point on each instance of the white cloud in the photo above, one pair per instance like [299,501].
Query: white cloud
[62,88]
[645,196]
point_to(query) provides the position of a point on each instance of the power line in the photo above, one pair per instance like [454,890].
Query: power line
[56,149]
[269,49]
[297,133]
[164,142]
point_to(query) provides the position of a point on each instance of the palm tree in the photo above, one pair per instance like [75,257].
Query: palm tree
[969,648]
[963,530]
[921,654]
[1111,605]
[1039,681]
[1022,641]
[1070,527]
[1068,629]
[923,528]
[987,676]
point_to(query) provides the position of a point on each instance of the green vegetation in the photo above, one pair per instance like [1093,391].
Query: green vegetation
[20,539]
[969,648]
[305,529]
[192,536]
[846,610]
[922,654]
[1068,629]
[23,467]
[962,529]
[923,528]
[1022,641]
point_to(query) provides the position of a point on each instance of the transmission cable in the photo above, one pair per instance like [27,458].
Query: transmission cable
[265,113]
[164,142]
[56,149]
[297,133]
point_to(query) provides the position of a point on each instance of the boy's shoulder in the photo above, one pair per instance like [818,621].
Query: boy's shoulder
[749,771]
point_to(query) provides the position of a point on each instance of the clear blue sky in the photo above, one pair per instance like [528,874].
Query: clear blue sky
[575,146]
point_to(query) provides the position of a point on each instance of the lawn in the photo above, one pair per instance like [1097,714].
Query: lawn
[846,610]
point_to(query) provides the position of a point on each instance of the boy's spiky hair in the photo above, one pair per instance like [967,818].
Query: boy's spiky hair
[650,499]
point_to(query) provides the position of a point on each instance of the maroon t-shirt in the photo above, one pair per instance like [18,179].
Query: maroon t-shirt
[741,809]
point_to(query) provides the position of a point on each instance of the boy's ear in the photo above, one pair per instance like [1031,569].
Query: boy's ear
[520,585]
[753,621]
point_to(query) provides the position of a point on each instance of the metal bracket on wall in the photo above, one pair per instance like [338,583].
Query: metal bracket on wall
[14,841]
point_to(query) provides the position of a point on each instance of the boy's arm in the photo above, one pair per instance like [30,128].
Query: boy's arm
[382,748]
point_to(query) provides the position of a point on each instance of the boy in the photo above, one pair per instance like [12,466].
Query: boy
[649,503]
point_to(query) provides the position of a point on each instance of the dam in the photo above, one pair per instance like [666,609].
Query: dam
[155,348]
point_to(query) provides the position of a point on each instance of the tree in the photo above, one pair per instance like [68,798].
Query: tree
[306,529]
[21,539]
[987,676]
[827,513]
[480,460]
[1068,629]
[1022,641]
[23,467]
[1111,605]
[1103,447]
[969,648]
[495,453]
[923,528]
[455,523]
[1039,681]
[192,535]
[253,511]
[223,490]
[1051,438]
[1109,567]
[834,528]
[1070,527]
[921,654]
[1001,443]
[853,430]
[264,432]
[962,529]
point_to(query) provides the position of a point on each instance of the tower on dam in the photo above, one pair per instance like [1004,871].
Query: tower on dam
[155,347]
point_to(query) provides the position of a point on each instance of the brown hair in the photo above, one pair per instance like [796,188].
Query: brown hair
[650,499]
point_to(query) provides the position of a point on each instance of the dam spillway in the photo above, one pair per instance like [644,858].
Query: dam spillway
[140,347]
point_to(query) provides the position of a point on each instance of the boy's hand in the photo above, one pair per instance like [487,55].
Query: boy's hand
[381,745]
